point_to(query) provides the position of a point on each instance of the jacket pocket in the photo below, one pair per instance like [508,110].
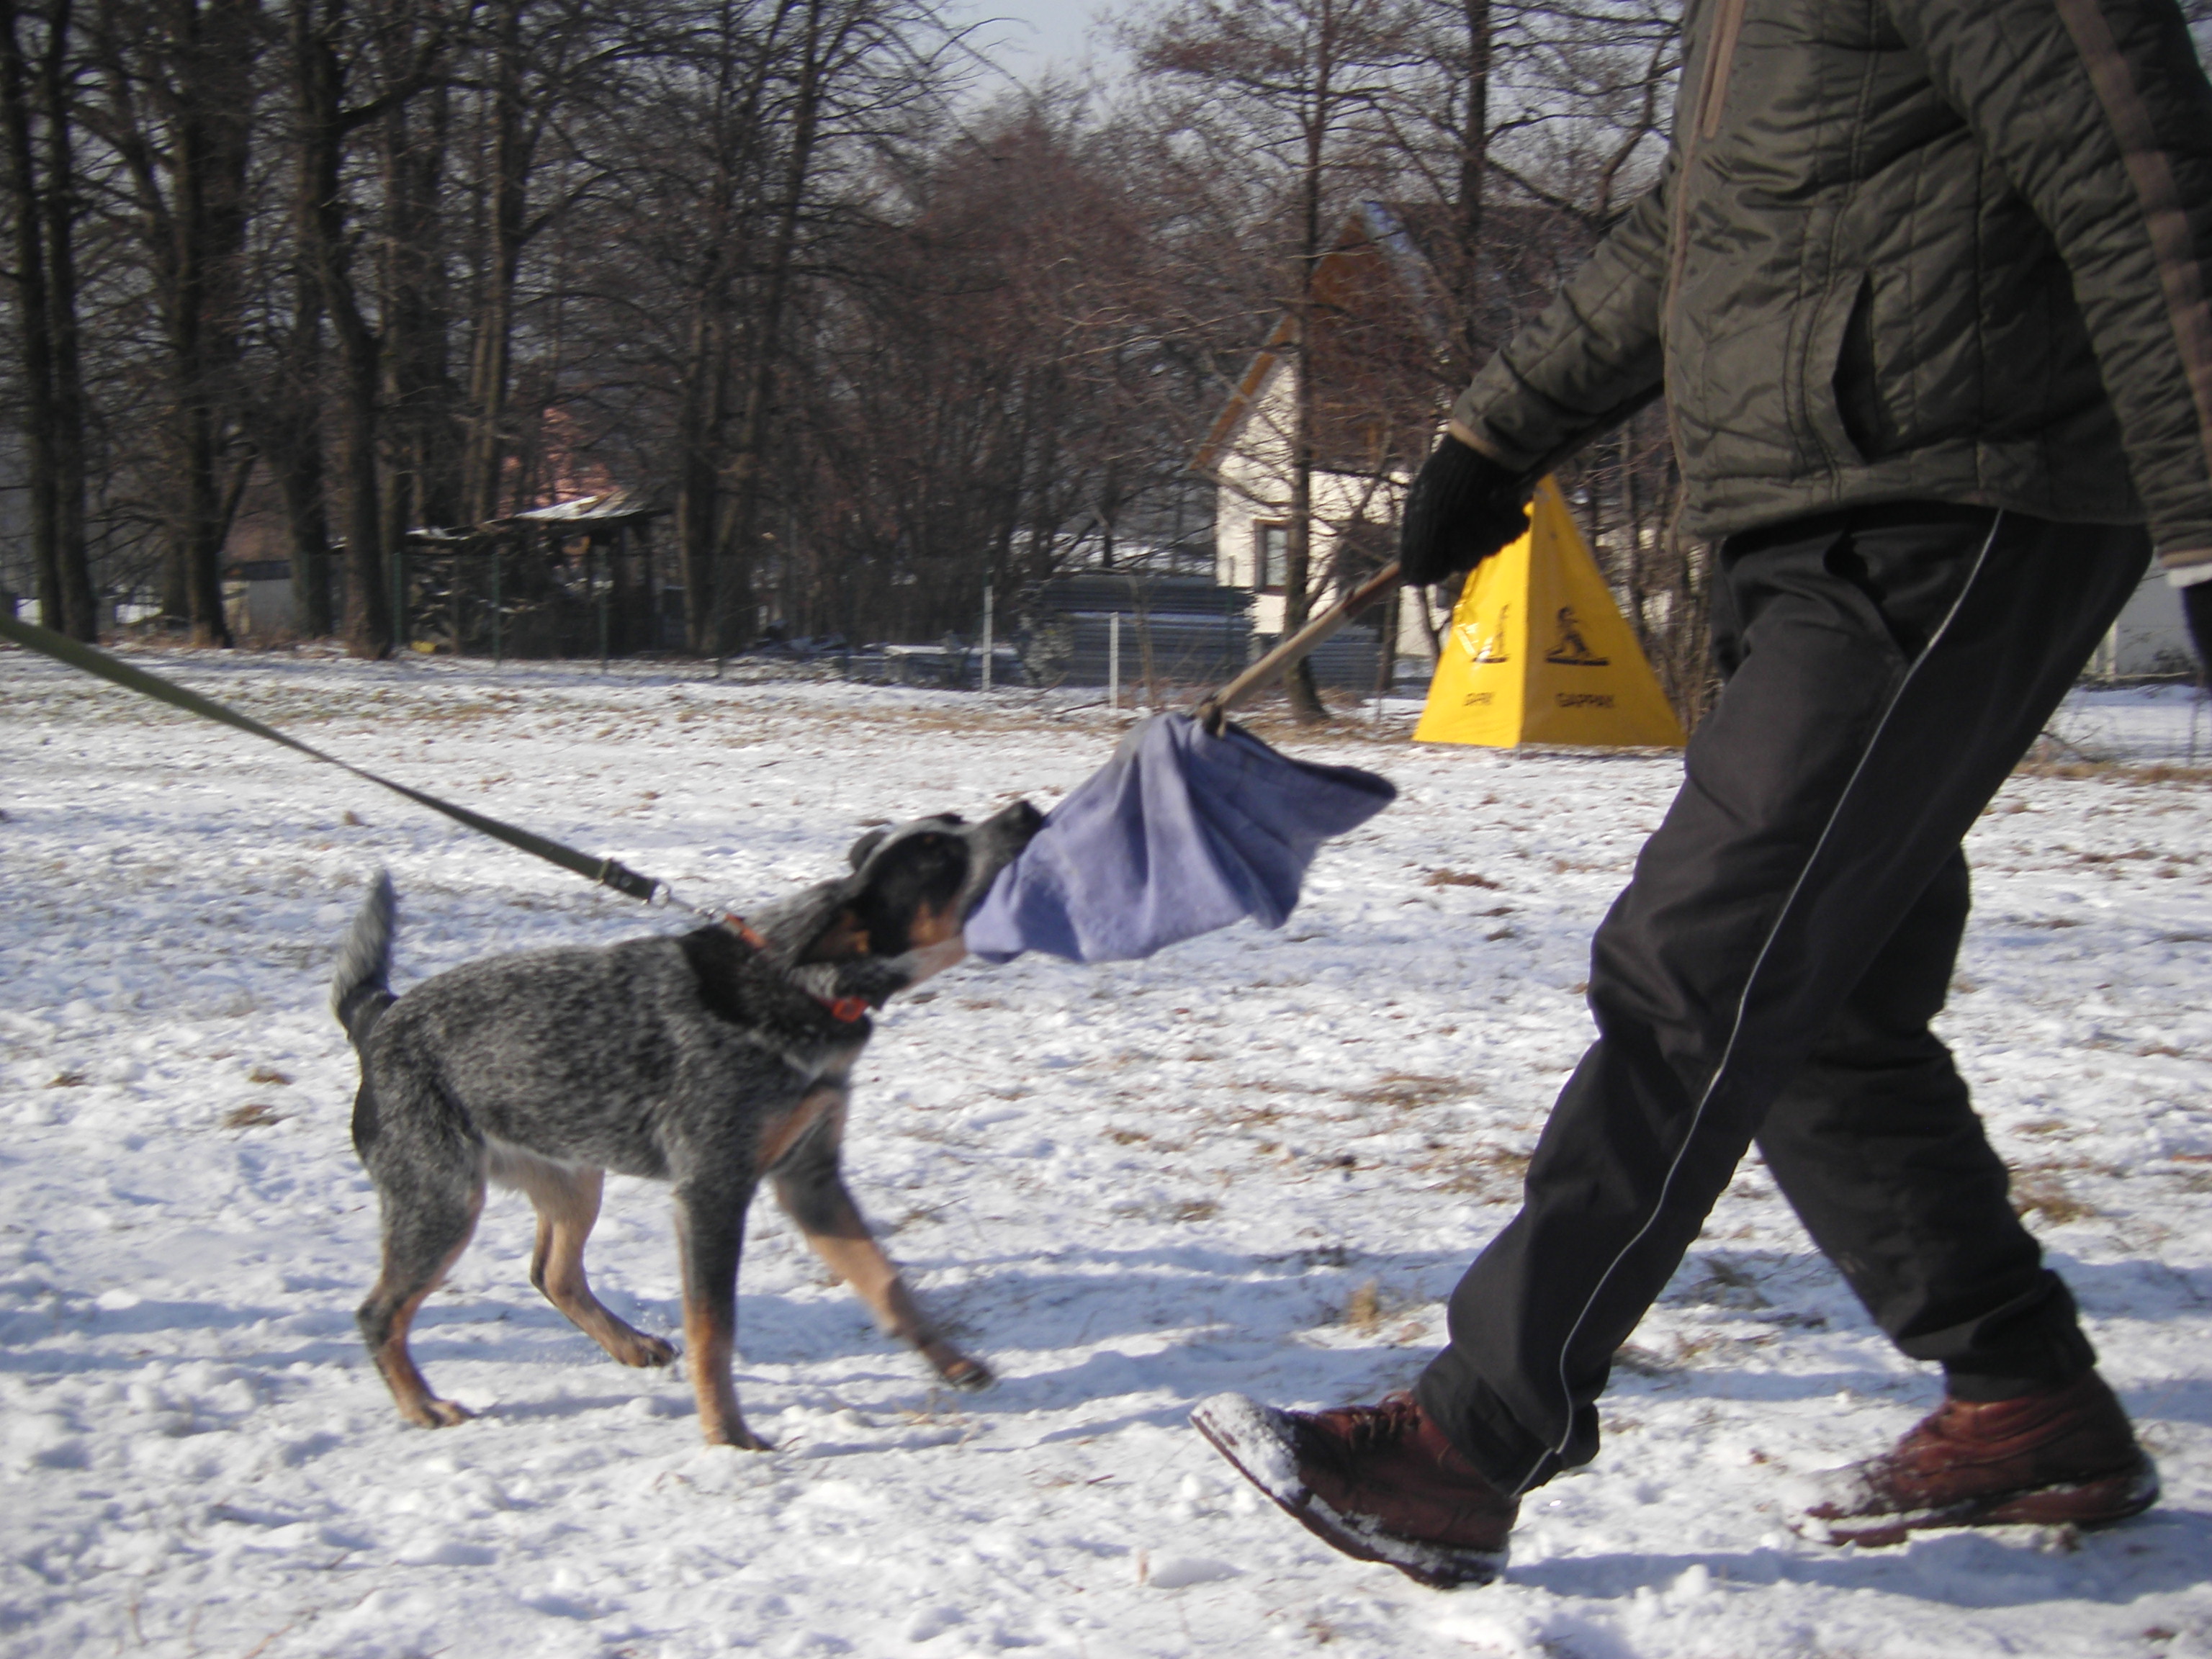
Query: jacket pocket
[1842,398]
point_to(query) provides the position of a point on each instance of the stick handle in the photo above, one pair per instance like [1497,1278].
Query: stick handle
[1279,661]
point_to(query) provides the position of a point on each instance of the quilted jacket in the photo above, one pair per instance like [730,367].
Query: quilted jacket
[1951,250]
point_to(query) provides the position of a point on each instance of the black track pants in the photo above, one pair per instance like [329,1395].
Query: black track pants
[1772,965]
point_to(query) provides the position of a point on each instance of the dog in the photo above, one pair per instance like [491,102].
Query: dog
[710,1060]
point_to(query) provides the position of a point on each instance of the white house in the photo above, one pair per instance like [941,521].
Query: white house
[1380,356]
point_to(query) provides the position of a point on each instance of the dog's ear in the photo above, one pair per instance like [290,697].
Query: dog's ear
[857,855]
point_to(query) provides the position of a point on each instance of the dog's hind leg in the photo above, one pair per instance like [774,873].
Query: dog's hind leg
[710,1237]
[426,1228]
[810,1186]
[567,1203]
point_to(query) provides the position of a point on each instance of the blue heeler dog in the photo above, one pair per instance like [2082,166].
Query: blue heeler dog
[707,1060]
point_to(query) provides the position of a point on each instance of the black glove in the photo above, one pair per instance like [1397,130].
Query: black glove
[1463,506]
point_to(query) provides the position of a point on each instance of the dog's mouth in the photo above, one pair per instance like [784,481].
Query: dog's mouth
[998,841]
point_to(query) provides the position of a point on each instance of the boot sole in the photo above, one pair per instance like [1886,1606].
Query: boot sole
[1259,1444]
[2087,1505]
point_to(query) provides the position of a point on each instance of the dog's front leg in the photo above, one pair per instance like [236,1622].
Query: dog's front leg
[810,1186]
[710,1234]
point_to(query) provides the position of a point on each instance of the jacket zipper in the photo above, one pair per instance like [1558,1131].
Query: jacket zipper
[1712,97]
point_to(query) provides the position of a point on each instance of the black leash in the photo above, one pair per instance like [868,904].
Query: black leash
[62,649]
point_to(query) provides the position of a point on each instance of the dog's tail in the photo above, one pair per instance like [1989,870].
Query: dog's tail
[361,989]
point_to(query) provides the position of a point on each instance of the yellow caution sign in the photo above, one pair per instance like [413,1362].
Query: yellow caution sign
[1538,654]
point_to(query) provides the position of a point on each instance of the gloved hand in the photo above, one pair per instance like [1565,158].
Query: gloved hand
[1463,506]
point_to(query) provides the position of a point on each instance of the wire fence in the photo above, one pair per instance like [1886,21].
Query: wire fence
[2166,725]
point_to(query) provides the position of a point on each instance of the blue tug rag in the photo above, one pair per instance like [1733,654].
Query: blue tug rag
[1180,834]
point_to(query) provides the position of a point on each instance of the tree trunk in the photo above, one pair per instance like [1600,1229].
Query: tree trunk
[34,324]
[53,385]
[733,586]
[424,479]
[288,433]
[212,45]
[1306,706]
[320,89]
[297,468]
[1474,152]
[701,417]
[80,607]
[491,352]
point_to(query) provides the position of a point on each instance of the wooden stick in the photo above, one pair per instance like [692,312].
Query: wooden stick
[1279,661]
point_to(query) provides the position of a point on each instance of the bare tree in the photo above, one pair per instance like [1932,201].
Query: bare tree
[42,200]
[178,111]
[336,60]
[1311,83]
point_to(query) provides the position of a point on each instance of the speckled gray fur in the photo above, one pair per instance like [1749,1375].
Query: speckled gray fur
[670,1057]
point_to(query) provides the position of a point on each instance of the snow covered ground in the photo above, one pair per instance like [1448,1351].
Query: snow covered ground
[1256,1162]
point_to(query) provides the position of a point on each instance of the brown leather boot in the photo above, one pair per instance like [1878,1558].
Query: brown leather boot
[2060,1455]
[1379,1482]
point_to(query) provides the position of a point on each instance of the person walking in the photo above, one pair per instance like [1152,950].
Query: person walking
[1927,286]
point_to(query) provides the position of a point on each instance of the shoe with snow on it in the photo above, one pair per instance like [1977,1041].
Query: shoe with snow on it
[1380,1483]
[2062,1456]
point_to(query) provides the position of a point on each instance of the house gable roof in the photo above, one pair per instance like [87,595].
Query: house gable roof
[1384,343]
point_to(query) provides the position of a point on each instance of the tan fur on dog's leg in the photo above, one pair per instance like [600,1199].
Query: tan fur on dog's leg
[861,1263]
[567,1203]
[710,1347]
[410,1392]
[815,1197]
[709,1240]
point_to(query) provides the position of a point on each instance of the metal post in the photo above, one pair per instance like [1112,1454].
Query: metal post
[986,636]
[399,633]
[498,545]
[1114,661]
[591,550]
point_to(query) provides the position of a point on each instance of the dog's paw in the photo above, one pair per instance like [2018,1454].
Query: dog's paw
[969,1376]
[436,1413]
[738,1437]
[639,1349]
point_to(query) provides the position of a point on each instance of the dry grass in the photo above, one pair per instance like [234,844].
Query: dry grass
[2041,763]
[1639,1362]
[1493,1174]
[1363,1309]
[1410,1091]
[1458,879]
[254,1116]
[1183,1209]
[2040,1192]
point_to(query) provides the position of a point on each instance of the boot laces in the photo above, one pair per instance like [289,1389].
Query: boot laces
[1385,1423]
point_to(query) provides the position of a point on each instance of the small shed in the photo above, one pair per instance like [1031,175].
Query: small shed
[1173,630]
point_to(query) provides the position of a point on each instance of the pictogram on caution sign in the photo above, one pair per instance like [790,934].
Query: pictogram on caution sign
[1537,653]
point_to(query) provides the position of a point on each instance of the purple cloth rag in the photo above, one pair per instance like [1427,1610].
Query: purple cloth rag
[1180,834]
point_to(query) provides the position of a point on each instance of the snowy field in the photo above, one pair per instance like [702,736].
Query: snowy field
[1256,1162]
